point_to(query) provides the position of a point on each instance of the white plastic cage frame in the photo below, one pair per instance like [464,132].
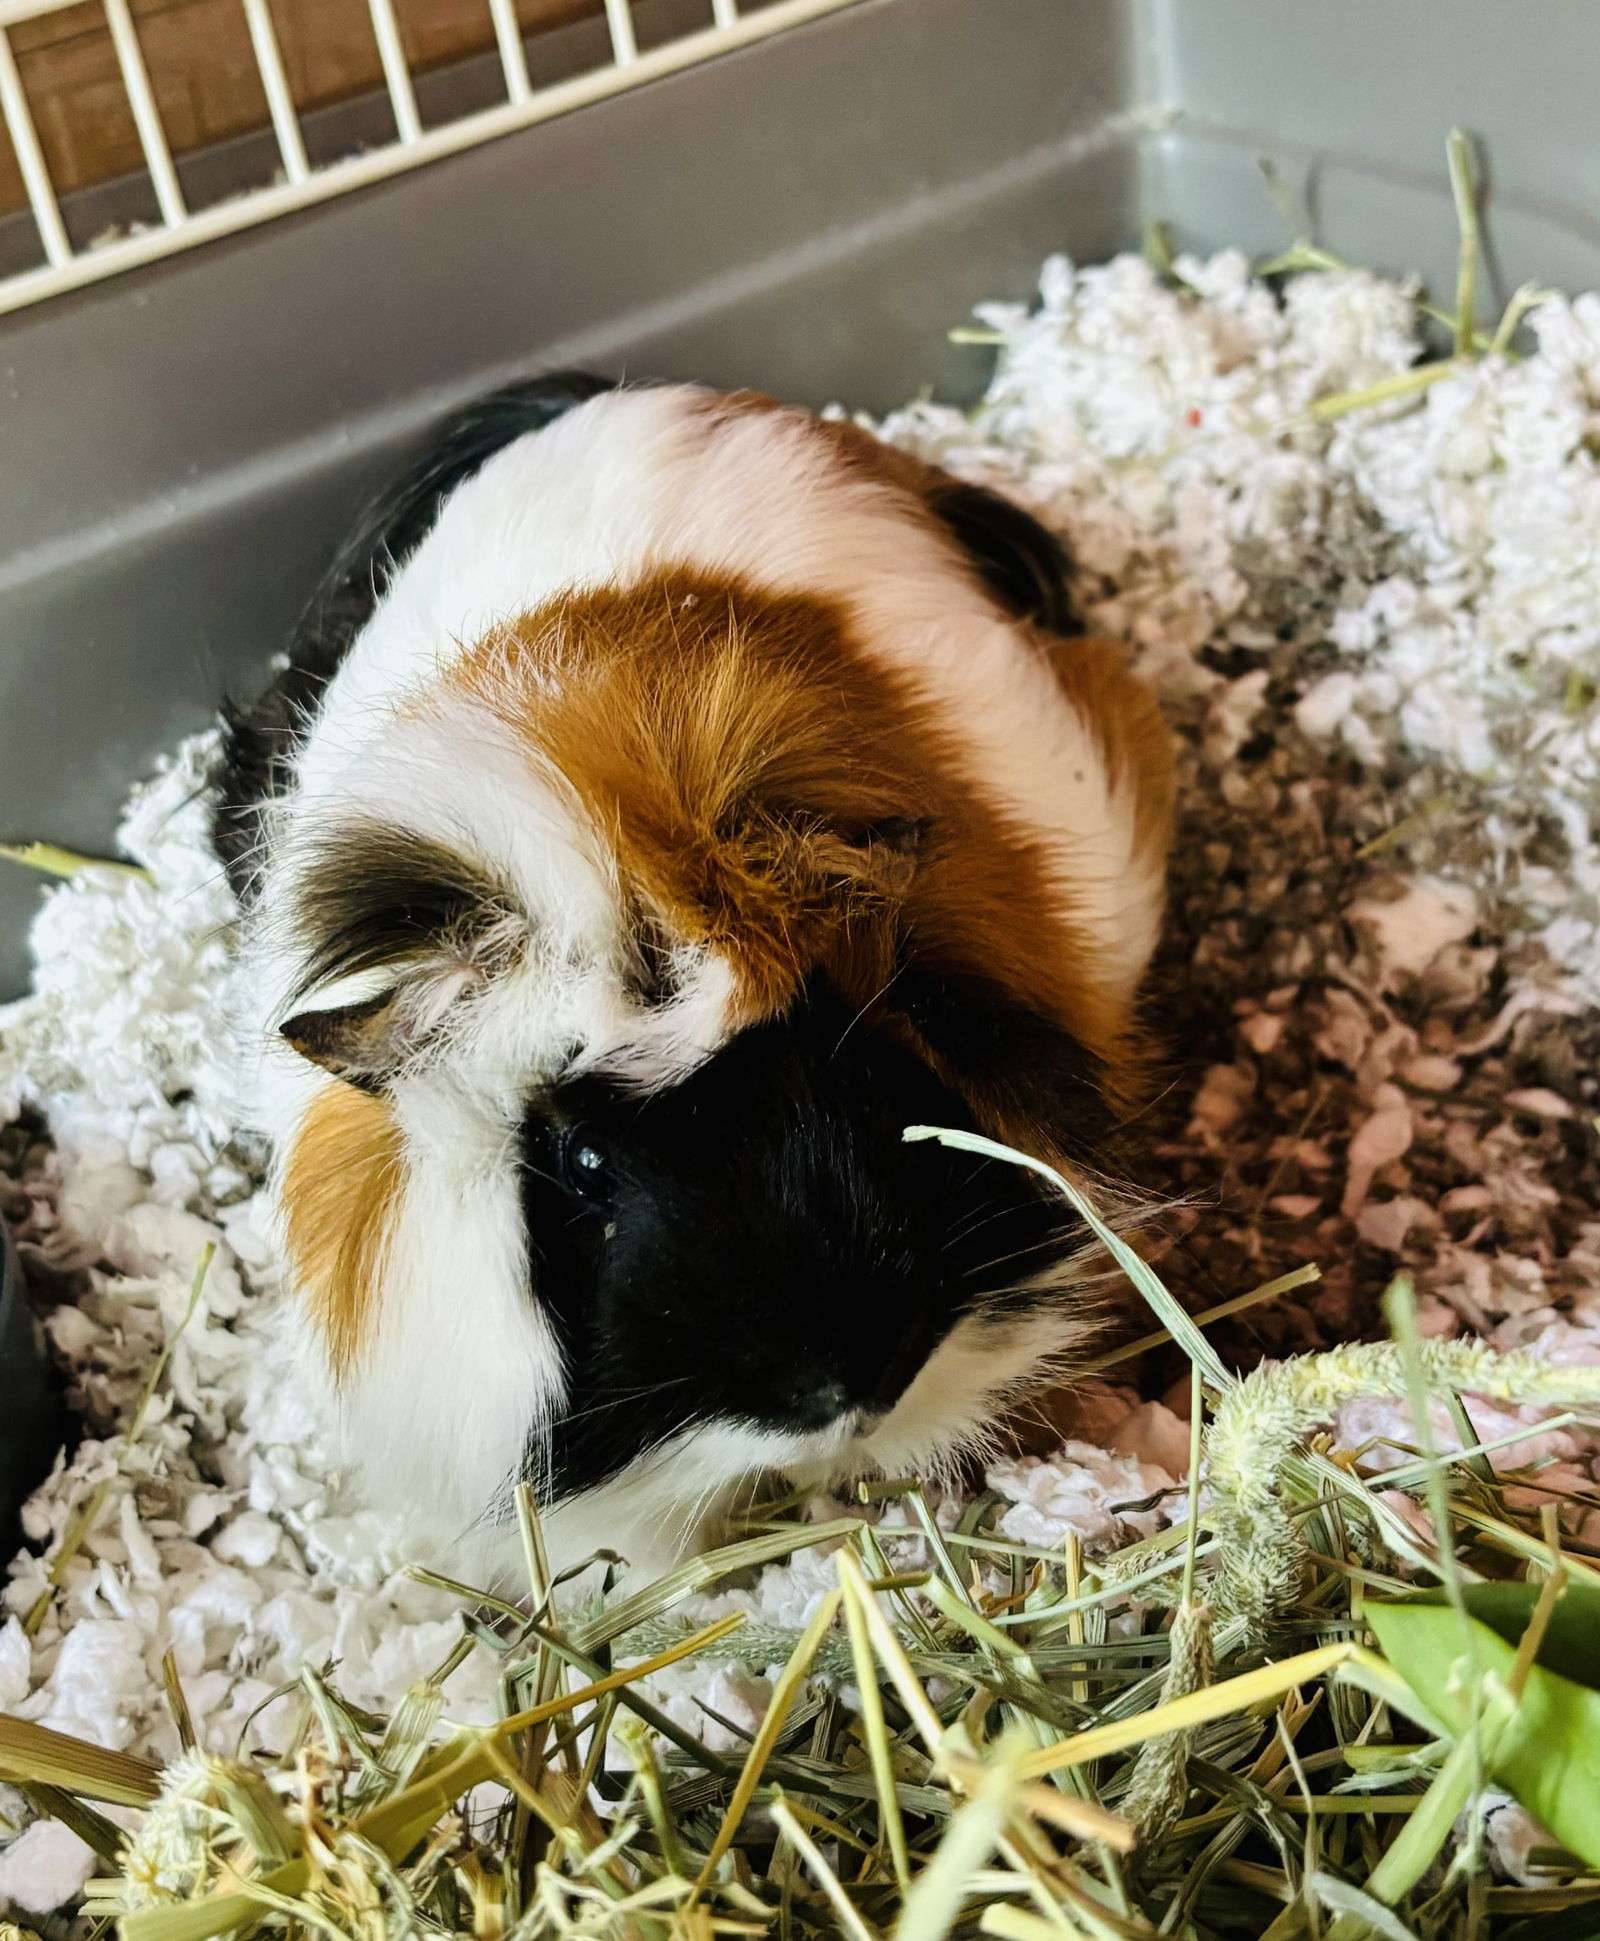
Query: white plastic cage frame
[301,184]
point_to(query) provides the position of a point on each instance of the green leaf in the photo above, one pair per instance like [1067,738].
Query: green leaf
[1547,1754]
[1571,1643]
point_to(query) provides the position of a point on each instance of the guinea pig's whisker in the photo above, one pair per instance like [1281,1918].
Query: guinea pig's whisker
[1028,1410]
[1056,1244]
[882,989]
[620,1395]
[691,1514]
[1050,1249]
[976,1222]
[1074,1253]
[969,1231]
[702,1504]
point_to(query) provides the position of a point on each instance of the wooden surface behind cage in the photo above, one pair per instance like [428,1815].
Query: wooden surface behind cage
[204,74]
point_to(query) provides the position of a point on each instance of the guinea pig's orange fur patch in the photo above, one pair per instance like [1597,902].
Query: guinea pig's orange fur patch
[737,749]
[341,1187]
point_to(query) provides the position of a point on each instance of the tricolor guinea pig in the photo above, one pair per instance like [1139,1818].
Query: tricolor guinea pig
[672,798]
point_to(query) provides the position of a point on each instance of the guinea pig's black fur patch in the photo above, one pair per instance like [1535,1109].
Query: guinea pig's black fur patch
[757,1244]
[1022,563]
[375,895]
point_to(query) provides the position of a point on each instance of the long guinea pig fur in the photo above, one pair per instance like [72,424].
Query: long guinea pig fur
[672,797]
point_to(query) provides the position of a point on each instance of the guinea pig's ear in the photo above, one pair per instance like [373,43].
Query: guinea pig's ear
[1020,562]
[363,1043]
[1024,565]
[1025,1078]
[368,1041]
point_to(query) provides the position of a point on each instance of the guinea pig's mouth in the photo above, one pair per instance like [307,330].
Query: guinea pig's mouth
[951,1408]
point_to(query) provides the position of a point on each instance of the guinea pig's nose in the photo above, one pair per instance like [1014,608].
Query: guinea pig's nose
[816,1404]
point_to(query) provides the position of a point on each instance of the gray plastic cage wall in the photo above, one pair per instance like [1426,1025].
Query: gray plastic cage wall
[802,196]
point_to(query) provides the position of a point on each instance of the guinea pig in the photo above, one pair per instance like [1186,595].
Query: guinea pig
[672,797]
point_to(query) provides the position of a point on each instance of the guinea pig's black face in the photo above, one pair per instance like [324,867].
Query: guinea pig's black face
[758,1247]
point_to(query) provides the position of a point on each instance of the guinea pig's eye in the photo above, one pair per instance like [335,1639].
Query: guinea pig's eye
[585,1164]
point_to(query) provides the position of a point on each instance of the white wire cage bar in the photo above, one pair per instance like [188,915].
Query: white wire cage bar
[30,159]
[513,58]
[146,115]
[619,19]
[280,102]
[67,267]
[396,75]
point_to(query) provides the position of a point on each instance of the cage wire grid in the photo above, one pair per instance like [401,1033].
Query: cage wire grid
[299,183]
